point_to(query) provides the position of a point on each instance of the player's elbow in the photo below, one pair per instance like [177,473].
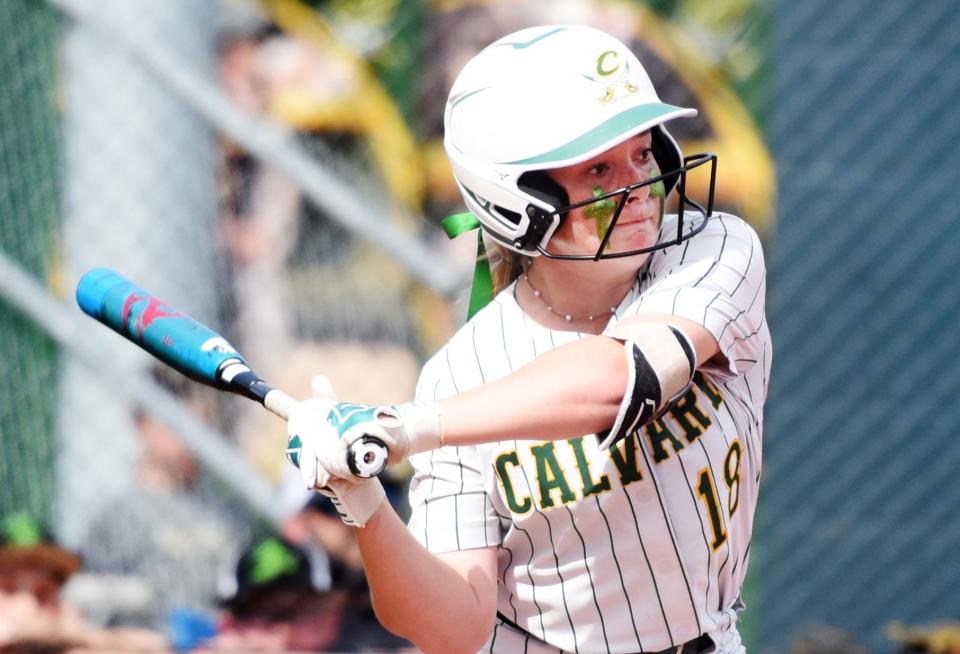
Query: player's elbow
[438,634]
[456,638]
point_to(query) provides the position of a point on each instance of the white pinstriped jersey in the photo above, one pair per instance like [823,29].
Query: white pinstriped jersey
[644,546]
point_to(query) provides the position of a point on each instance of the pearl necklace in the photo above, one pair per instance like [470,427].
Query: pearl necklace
[566,316]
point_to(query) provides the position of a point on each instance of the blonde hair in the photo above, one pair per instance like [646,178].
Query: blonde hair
[505,266]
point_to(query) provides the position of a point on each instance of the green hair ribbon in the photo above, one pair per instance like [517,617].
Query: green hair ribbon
[481,291]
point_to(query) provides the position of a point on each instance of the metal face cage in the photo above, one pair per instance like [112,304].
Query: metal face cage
[541,220]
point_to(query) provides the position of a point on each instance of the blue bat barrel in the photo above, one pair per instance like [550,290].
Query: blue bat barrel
[176,339]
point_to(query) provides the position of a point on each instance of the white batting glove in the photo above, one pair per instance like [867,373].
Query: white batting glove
[309,432]
[355,501]
[403,428]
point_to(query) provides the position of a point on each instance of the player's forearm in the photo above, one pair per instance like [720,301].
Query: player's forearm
[572,390]
[417,595]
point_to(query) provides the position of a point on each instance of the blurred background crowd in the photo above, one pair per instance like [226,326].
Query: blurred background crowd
[275,169]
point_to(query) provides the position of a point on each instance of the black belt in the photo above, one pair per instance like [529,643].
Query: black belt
[701,645]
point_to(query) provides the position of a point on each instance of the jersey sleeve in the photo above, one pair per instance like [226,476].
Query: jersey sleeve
[716,279]
[450,509]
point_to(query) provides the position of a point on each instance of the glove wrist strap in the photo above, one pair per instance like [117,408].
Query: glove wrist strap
[356,502]
[422,422]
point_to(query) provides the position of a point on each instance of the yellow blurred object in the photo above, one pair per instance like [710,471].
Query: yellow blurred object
[300,109]
[441,184]
[938,638]
[349,98]
[365,108]
[746,176]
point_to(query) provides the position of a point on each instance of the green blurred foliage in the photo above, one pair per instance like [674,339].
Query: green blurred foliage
[735,35]
[30,205]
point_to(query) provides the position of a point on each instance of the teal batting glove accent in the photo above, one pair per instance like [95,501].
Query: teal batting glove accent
[346,415]
[294,448]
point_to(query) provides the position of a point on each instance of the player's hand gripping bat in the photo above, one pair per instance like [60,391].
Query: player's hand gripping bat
[195,350]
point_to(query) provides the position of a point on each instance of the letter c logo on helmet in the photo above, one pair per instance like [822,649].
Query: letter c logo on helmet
[601,69]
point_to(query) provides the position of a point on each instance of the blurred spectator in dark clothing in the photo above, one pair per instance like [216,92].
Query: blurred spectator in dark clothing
[32,562]
[173,533]
[276,602]
[33,616]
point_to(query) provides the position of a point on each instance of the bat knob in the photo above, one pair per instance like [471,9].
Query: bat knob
[367,457]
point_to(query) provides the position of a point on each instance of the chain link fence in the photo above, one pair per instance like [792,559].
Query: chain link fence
[194,147]
[30,207]
[859,504]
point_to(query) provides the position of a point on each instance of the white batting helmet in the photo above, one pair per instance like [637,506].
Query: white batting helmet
[543,98]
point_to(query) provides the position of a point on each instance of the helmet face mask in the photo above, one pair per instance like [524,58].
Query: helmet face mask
[613,202]
[545,98]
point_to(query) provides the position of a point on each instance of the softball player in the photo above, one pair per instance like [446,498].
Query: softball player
[587,448]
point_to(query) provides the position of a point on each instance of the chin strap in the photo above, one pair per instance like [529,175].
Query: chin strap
[482,290]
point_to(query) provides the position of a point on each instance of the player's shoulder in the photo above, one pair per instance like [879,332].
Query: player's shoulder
[736,237]
[726,224]
[723,235]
